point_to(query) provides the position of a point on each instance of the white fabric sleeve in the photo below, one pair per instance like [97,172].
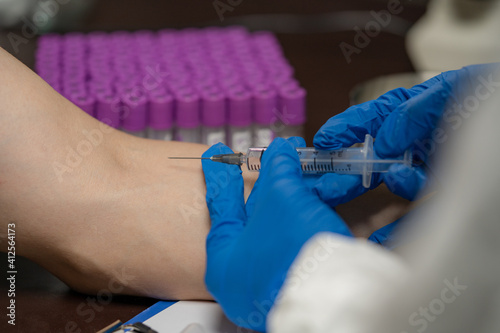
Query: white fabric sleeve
[336,284]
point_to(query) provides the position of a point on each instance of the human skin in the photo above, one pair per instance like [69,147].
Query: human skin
[119,216]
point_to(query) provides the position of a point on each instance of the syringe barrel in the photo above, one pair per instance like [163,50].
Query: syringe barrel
[313,161]
[351,161]
[331,162]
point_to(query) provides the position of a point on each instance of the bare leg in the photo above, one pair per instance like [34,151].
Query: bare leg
[97,207]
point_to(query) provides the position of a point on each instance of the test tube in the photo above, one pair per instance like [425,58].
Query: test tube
[135,107]
[200,61]
[108,109]
[239,119]
[292,112]
[265,108]
[213,114]
[161,116]
[188,116]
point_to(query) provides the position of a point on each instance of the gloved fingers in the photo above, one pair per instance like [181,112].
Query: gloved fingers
[225,199]
[351,126]
[386,236]
[405,181]
[296,142]
[281,159]
[336,189]
[412,122]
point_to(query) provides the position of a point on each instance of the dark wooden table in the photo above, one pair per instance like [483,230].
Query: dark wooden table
[45,304]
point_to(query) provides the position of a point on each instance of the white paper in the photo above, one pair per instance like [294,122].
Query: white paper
[208,315]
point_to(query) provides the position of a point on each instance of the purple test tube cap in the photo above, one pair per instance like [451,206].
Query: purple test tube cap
[293,106]
[135,112]
[213,108]
[265,105]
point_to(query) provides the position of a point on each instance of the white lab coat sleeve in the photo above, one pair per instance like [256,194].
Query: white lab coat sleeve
[336,284]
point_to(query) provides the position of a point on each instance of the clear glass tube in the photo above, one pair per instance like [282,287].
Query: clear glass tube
[213,135]
[188,135]
[164,135]
[262,135]
[240,138]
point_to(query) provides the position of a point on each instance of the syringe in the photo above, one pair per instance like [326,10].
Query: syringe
[348,161]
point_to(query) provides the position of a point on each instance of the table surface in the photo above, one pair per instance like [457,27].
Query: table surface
[45,304]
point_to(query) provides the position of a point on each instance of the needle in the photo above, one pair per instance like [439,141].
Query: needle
[190,158]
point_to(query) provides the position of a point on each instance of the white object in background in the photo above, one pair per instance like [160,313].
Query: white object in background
[455,33]
[240,138]
[139,134]
[336,284]
[165,135]
[213,135]
[206,317]
[263,136]
[450,281]
[194,328]
[291,130]
[12,11]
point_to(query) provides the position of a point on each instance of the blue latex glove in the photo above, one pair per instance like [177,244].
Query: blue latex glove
[385,236]
[399,120]
[251,247]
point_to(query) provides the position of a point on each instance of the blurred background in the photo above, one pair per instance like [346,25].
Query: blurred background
[310,33]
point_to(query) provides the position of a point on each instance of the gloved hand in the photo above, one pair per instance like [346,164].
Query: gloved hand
[399,120]
[251,247]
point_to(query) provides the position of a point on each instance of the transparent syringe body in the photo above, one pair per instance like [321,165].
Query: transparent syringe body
[350,161]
